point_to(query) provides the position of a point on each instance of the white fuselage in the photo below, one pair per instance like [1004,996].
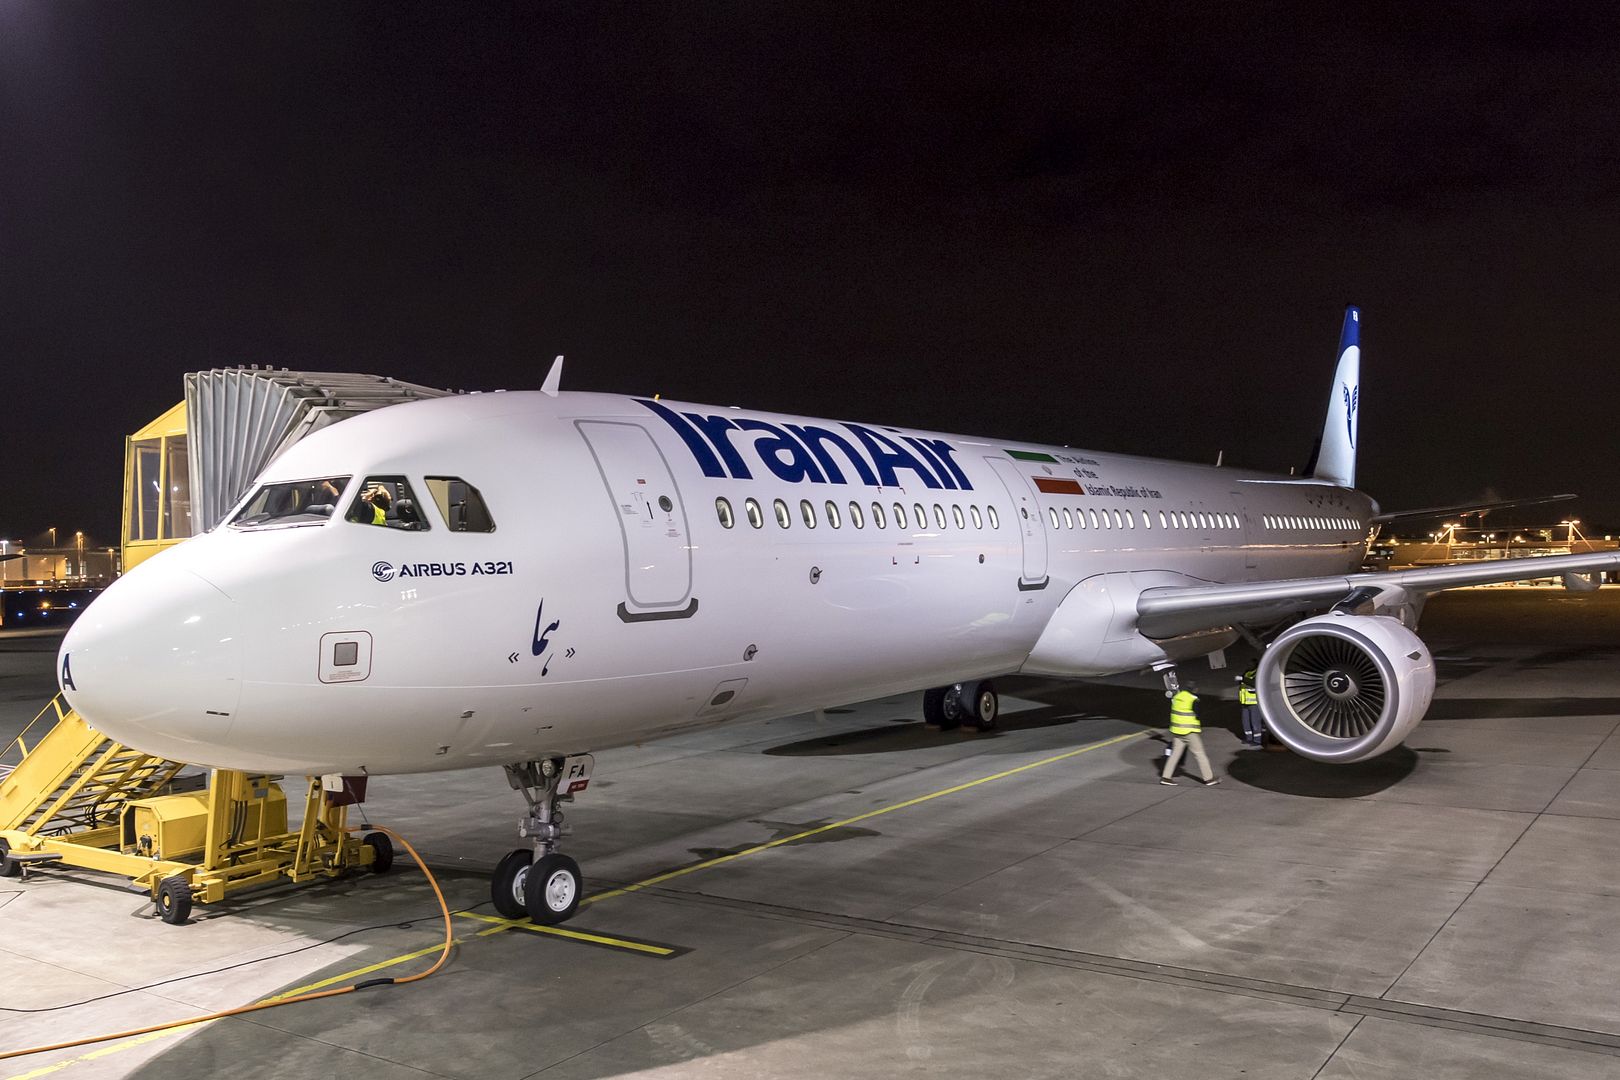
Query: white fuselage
[608,523]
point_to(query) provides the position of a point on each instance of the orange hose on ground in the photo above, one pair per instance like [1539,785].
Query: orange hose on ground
[314,995]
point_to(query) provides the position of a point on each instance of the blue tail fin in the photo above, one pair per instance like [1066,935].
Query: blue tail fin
[1336,453]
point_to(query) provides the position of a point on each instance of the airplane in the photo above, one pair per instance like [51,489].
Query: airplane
[523,578]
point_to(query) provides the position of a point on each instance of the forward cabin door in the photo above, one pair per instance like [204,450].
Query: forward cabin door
[652,520]
[1026,519]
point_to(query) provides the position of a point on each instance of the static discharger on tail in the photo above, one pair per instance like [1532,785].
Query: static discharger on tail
[558,572]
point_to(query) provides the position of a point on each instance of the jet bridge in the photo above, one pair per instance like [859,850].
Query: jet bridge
[189,466]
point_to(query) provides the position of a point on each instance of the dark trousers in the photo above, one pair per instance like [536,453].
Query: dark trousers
[1254,727]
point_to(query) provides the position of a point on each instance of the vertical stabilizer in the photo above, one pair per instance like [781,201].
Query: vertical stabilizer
[1336,454]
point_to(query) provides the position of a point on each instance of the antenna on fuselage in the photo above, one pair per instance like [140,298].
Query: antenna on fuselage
[553,378]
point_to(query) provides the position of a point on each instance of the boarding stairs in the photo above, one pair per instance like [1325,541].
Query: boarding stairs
[72,797]
[60,777]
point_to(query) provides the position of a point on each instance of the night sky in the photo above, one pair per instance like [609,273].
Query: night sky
[1126,226]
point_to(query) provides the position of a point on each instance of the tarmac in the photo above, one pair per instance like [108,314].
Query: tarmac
[853,895]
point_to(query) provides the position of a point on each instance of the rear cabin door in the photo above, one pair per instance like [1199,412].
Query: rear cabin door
[1251,535]
[1027,519]
[652,520]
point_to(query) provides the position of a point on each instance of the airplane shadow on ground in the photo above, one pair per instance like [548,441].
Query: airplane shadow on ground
[1290,774]
[1059,704]
[1492,708]
[1283,773]
[912,734]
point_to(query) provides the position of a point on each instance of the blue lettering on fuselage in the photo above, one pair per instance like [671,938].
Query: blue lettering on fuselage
[798,453]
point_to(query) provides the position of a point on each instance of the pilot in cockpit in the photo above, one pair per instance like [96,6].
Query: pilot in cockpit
[371,508]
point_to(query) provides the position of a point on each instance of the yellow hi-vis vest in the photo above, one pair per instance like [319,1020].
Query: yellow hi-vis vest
[1183,720]
[1246,691]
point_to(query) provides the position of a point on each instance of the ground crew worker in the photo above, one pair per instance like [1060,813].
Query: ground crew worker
[1254,725]
[1185,731]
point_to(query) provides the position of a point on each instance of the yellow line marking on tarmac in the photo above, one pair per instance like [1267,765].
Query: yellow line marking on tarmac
[501,925]
[757,848]
[347,976]
[558,931]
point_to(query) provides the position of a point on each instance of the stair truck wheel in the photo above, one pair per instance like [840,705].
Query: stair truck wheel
[174,900]
[382,851]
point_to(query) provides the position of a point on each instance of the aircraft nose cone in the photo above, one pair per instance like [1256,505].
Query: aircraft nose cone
[156,663]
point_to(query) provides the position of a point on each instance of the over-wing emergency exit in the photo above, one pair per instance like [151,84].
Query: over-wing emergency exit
[523,578]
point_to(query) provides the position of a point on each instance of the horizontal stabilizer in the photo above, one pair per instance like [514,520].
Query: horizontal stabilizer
[1464,508]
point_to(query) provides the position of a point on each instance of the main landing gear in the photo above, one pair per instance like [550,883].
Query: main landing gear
[542,883]
[972,703]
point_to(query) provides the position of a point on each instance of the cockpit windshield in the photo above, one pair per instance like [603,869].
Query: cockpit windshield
[301,502]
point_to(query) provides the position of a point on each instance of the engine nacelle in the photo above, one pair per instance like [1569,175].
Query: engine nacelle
[1343,688]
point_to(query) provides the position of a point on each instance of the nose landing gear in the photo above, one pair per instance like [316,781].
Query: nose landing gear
[542,883]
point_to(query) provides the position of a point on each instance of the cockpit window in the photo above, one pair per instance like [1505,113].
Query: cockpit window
[460,504]
[387,501]
[301,502]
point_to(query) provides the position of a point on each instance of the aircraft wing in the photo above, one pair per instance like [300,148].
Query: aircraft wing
[1175,610]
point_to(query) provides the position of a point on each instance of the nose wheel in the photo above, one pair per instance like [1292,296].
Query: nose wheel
[541,882]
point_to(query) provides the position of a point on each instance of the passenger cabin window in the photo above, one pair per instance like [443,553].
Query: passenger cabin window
[756,516]
[855,519]
[956,512]
[832,513]
[783,518]
[877,516]
[978,522]
[388,501]
[899,516]
[463,508]
[722,507]
[302,502]
[995,518]
[808,511]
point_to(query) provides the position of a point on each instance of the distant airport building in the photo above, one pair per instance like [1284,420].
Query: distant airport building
[1452,543]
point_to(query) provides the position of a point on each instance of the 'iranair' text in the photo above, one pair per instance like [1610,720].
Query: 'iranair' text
[798,453]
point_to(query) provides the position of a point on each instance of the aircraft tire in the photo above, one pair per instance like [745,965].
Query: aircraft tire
[382,848]
[552,889]
[174,900]
[506,887]
[934,711]
[985,706]
[9,867]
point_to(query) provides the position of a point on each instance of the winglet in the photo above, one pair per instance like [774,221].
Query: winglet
[553,378]
[1336,456]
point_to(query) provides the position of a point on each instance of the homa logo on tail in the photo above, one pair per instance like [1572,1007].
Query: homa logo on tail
[1352,398]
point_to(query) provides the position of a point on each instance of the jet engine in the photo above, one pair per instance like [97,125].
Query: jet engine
[1343,688]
